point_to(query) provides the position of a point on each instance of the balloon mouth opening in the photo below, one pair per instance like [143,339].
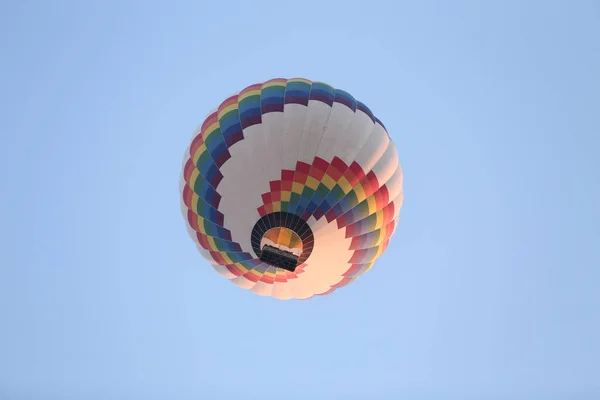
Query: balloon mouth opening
[282,240]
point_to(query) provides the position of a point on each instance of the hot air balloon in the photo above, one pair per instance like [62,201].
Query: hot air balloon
[291,188]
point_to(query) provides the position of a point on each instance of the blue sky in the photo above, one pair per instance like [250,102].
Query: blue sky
[488,290]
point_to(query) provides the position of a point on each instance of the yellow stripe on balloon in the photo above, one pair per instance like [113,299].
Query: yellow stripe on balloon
[227,109]
[360,192]
[241,267]
[210,130]
[312,183]
[227,259]
[195,199]
[328,181]
[201,150]
[371,204]
[211,242]
[274,83]
[378,219]
[297,187]
[193,177]
[201,225]
[255,92]
[370,265]
[345,185]
[300,80]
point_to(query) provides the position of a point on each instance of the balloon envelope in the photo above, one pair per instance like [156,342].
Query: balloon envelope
[291,188]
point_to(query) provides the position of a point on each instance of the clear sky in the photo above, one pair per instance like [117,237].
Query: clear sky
[490,288]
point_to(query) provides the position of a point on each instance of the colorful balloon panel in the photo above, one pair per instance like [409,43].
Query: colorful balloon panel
[291,188]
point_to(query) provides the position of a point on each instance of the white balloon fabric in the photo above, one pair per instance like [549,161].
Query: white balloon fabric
[291,188]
